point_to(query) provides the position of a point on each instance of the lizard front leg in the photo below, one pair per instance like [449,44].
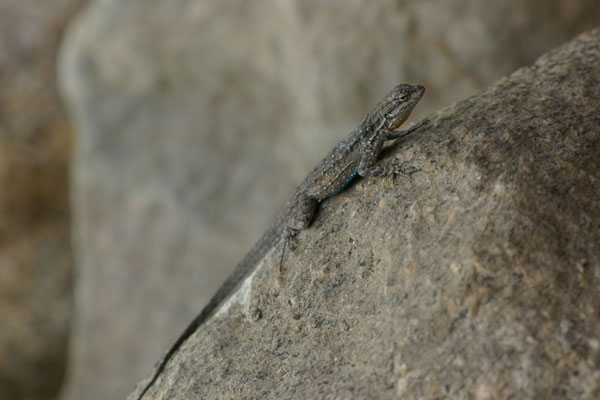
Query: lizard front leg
[398,134]
[368,165]
[369,152]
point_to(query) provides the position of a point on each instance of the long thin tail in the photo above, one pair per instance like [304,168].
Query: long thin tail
[258,251]
[192,327]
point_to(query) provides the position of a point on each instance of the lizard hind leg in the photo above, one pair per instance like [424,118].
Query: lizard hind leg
[300,216]
[289,235]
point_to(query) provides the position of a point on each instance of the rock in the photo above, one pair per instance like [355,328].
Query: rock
[36,266]
[476,276]
[196,119]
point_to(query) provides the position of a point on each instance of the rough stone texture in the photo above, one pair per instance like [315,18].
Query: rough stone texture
[197,118]
[36,267]
[474,278]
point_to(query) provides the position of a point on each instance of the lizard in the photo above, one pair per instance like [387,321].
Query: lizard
[356,155]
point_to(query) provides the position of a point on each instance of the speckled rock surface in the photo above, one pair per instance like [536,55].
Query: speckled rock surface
[196,119]
[36,265]
[476,277]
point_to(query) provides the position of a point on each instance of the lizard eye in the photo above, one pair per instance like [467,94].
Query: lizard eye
[402,98]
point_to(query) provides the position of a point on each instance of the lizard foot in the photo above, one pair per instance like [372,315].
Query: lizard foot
[289,237]
[396,169]
[289,240]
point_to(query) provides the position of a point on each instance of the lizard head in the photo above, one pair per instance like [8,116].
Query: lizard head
[398,104]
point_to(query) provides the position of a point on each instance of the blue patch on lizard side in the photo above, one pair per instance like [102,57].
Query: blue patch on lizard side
[345,185]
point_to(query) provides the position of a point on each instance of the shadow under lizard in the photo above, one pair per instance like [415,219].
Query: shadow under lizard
[355,155]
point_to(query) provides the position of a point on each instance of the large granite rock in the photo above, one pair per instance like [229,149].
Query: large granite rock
[475,277]
[36,267]
[196,119]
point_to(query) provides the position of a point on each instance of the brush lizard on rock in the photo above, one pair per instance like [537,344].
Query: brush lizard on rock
[355,155]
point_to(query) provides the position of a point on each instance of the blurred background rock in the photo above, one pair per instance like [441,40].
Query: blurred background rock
[193,121]
[36,263]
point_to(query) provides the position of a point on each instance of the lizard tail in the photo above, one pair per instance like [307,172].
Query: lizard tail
[184,336]
[247,264]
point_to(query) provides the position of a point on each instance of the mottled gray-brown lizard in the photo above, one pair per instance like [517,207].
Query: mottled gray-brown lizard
[355,155]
